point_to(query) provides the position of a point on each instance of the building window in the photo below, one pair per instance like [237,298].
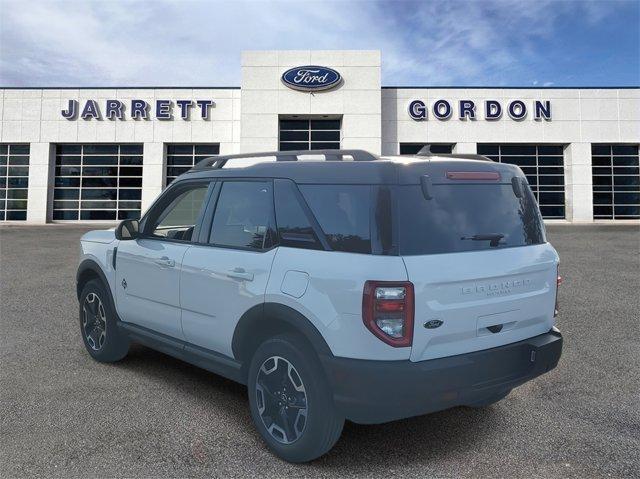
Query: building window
[309,135]
[97,182]
[616,181]
[181,158]
[437,148]
[14,182]
[544,167]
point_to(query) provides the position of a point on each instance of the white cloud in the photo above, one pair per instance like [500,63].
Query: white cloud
[198,43]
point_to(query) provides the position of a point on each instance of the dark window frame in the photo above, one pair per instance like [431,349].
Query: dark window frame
[600,173]
[124,159]
[193,158]
[308,144]
[15,161]
[417,146]
[503,152]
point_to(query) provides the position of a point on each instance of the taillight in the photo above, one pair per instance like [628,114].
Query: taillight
[558,283]
[387,311]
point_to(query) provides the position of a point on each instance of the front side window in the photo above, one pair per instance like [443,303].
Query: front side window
[178,220]
[243,215]
[343,212]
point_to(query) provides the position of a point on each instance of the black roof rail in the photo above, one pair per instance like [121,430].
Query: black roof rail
[217,162]
[426,151]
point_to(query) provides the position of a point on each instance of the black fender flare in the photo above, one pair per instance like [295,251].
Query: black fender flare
[90,266]
[259,315]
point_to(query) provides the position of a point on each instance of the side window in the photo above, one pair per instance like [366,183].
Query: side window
[243,215]
[343,212]
[294,228]
[178,220]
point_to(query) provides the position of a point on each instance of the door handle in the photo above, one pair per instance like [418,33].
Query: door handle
[164,261]
[240,273]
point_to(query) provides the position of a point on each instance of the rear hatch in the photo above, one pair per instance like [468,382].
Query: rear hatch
[474,246]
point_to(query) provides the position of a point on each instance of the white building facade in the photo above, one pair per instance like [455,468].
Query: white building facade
[104,154]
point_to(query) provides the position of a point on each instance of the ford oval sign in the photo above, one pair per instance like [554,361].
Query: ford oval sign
[311,78]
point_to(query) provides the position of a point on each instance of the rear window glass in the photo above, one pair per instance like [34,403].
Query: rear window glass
[343,212]
[467,217]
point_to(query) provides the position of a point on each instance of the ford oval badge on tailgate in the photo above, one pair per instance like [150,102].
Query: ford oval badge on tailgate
[433,324]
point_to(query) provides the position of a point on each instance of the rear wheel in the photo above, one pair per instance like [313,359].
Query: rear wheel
[98,326]
[290,400]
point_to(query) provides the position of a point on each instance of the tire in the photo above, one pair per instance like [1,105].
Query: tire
[490,400]
[98,324]
[314,423]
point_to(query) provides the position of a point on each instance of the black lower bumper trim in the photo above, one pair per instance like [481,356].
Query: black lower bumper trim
[371,392]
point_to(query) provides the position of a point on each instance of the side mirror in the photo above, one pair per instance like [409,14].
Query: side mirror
[127,230]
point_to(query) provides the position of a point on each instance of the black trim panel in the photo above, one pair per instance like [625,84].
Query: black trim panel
[373,392]
[201,357]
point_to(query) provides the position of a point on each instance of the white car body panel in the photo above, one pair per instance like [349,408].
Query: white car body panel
[332,300]
[217,286]
[98,246]
[471,291]
[151,269]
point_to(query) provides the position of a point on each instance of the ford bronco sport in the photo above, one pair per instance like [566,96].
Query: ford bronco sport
[334,284]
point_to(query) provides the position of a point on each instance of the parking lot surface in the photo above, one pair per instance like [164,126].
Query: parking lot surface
[64,415]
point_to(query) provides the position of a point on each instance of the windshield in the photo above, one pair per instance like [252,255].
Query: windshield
[467,217]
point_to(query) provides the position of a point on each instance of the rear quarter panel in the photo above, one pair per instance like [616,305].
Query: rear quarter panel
[330,285]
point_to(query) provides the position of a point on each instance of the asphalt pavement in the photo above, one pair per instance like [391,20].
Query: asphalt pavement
[64,415]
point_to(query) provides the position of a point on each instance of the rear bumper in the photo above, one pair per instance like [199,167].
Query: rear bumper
[371,392]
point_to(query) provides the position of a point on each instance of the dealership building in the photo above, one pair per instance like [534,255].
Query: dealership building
[104,154]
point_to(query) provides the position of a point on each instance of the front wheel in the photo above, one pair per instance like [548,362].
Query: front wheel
[290,400]
[98,325]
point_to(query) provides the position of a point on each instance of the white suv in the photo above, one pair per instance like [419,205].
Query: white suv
[336,285]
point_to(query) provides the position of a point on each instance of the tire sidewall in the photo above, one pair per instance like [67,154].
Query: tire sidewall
[319,399]
[115,346]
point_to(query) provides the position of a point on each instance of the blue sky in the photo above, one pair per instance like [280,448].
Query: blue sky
[198,43]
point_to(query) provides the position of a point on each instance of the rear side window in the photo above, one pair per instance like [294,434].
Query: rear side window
[243,215]
[343,212]
[467,217]
[294,228]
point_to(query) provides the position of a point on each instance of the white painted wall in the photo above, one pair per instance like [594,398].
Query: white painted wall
[34,116]
[265,97]
[578,115]
[373,119]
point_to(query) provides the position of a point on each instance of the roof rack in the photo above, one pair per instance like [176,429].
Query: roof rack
[426,151]
[217,162]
